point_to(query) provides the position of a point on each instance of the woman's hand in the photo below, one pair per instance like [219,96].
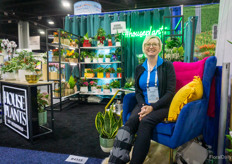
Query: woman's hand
[144,111]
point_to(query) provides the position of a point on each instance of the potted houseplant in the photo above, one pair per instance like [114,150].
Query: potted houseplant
[57,92]
[98,88]
[9,70]
[115,85]
[107,58]
[74,43]
[86,40]
[100,37]
[86,56]
[89,73]
[93,55]
[112,72]
[100,58]
[106,88]
[83,83]
[70,87]
[119,72]
[117,39]
[72,56]
[107,71]
[109,39]
[42,101]
[93,85]
[99,71]
[56,37]
[107,125]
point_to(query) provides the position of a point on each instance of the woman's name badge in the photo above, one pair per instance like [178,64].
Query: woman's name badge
[152,94]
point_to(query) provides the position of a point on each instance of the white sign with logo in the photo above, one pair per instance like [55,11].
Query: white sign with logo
[76,159]
[15,109]
[34,42]
[119,27]
[87,7]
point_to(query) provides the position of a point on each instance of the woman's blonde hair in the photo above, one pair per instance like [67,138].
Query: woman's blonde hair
[151,37]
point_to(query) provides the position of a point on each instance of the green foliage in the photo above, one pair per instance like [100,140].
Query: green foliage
[119,70]
[229,41]
[107,86]
[100,32]
[107,124]
[85,54]
[71,82]
[42,101]
[229,137]
[109,36]
[173,42]
[101,56]
[118,37]
[115,84]
[141,58]
[9,66]
[130,82]
[99,70]
[108,56]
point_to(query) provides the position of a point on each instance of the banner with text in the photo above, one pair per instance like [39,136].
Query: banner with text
[118,27]
[15,109]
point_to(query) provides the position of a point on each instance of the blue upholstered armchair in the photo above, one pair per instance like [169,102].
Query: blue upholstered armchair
[191,120]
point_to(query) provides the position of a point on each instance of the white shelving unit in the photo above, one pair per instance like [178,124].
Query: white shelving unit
[104,78]
[103,47]
[101,63]
[101,93]
[56,45]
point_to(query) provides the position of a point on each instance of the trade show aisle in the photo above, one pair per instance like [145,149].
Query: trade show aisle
[75,134]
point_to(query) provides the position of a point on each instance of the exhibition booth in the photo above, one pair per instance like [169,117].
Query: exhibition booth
[73,98]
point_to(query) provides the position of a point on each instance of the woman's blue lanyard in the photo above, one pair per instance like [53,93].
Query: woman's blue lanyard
[148,76]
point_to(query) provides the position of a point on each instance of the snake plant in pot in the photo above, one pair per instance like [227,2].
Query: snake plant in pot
[107,125]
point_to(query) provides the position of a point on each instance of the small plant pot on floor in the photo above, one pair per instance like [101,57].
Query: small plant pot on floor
[106,144]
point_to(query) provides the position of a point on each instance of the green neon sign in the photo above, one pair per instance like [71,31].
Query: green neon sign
[128,33]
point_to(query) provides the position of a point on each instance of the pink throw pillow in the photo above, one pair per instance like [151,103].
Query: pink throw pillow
[186,71]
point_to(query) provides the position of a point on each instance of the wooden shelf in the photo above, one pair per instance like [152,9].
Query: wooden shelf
[56,45]
[103,47]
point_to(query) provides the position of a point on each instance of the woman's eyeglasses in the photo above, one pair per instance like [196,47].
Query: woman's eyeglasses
[151,44]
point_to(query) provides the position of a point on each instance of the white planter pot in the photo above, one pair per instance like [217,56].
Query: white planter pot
[98,90]
[114,90]
[99,44]
[9,76]
[100,60]
[21,75]
[106,90]
[94,60]
[93,89]
[83,89]
[87,60]
[107,60]
[118,44]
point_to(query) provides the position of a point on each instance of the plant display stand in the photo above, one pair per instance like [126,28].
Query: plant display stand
[59,44]
[104,64]
[20,108]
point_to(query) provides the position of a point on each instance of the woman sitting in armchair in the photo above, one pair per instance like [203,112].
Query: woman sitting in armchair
[155,84]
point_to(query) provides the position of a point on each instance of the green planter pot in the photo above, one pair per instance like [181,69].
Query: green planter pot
[106,144]
[42,117]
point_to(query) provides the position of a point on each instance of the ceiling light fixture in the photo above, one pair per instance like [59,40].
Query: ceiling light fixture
[50,22]
[39,17]
[66,4]
[42,32]
[9,21]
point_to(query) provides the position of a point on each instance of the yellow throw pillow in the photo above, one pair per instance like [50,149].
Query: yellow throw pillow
[188,93]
